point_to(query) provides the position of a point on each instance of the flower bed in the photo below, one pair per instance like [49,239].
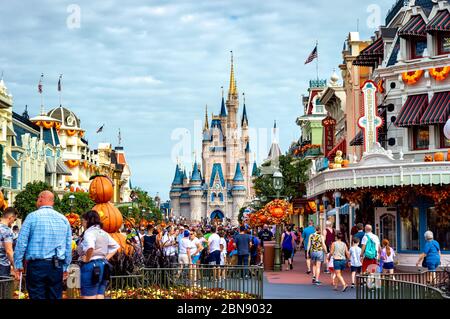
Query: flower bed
[178,293]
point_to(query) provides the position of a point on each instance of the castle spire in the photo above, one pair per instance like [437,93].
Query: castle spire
[244,114]
[206,127]
[223,109]
[232,92]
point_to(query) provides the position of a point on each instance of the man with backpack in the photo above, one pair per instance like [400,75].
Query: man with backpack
[370,248]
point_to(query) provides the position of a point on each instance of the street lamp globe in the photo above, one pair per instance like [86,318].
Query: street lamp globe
[71,200]
[277,180]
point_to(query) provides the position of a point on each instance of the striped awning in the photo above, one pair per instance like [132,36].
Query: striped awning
[440,22]
[438,110]
[341,146]
[412,110]
[358,139]
[415,27]
[371,55]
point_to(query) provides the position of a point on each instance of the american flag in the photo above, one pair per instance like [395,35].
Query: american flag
[312,56]
[40,84]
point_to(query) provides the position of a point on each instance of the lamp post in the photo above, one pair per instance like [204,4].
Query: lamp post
[71,202]
[325,201]
[277,180]
[337,198]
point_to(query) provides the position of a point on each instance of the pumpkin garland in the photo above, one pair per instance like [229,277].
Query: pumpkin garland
[412,77]
[73,163]
[439,74]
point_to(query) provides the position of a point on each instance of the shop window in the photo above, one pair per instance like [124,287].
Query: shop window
[421,137]
[439,224]
[445,143]
[409,228]
[444,43]
[418,47]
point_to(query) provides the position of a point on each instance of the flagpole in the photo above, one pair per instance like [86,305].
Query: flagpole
[317,60]
[40,92]
[60,90]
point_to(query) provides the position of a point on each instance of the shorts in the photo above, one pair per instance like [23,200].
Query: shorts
[214,257]
[339,264]
[317,256]
[89,289]
[388,266]
[287,253]
[195,259]
[367,263]
[356,269]
[432,266]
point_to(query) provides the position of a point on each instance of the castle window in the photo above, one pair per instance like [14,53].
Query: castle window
[221,197]
[213,197]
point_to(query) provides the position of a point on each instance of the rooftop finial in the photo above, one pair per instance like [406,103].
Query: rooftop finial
[233,90]
[206,127]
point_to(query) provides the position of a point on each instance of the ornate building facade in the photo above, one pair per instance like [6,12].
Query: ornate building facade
[221,184]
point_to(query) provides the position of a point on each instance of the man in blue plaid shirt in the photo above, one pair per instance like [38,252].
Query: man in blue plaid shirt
[45,243]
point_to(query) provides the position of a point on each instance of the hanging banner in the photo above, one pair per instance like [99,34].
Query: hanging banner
[370,121]
[329,125]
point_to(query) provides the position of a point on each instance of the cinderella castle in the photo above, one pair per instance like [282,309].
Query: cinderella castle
[222,183]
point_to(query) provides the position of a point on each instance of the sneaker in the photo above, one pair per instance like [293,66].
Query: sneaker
[345,289]
[291,266]
[353,286]
[327,272]
[318,283]
[308,272]
[314,280]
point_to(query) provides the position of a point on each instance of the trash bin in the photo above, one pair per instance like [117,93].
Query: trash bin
[269,255]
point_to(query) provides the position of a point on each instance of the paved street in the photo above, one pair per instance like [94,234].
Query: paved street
[296,284]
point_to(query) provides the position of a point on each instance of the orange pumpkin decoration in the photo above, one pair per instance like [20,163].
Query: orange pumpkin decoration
[57,125]
[110,217]
[345,163]
[47,125]
[448,155]
[412,77]
[277,212]
[71,132]
[439,157]
[439,74]
[101,189]
[121,239]
[73,163]
[428,158]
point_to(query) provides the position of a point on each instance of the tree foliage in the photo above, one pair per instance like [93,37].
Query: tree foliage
[143,206]
[25,201]
[81,203]
[295,176]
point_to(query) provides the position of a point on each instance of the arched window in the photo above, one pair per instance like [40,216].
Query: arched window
[213,197]
[221,197]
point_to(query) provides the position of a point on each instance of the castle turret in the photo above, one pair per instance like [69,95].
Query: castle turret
[195,194]
[239,192]
[175,191]
[233,151]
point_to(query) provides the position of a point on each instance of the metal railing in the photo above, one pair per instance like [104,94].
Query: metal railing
[401,286]
[190,282]
[6,287]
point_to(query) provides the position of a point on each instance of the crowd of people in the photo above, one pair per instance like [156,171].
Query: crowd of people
[45,245]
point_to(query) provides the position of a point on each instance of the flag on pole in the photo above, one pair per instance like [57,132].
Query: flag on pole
[59,83]
[40,84]
[100,129]
[312,56]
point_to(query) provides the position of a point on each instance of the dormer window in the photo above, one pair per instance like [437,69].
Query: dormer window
[418,47]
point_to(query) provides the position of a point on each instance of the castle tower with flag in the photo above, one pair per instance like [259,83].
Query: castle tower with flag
[221,183]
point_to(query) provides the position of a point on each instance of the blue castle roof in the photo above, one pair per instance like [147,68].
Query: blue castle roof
[247,148]
[196,174]
[223,110]
[238,177]
[217,169]
[178,179]
[255,171]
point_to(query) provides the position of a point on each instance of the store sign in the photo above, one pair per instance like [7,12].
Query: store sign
[329,125]
[370,121]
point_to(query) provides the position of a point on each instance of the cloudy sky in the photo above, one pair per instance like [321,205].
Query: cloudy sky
[150,67]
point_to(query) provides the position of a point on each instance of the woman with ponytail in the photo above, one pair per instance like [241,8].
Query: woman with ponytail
[387,256]
[95,249]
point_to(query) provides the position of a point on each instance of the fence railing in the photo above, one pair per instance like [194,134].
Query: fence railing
[188,282]
[6,287]
[401,286]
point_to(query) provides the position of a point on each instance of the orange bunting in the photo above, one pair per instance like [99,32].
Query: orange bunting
[439,74]
[412,77]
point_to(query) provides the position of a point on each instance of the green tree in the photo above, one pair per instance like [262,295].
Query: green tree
[25,201]
[295,176]
[145,202]
[81,203]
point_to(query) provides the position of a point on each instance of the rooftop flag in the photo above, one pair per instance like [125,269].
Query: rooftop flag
[312,56]
[40,84]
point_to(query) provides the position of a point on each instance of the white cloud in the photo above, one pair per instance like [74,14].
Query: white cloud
[133,80]
[187,18]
